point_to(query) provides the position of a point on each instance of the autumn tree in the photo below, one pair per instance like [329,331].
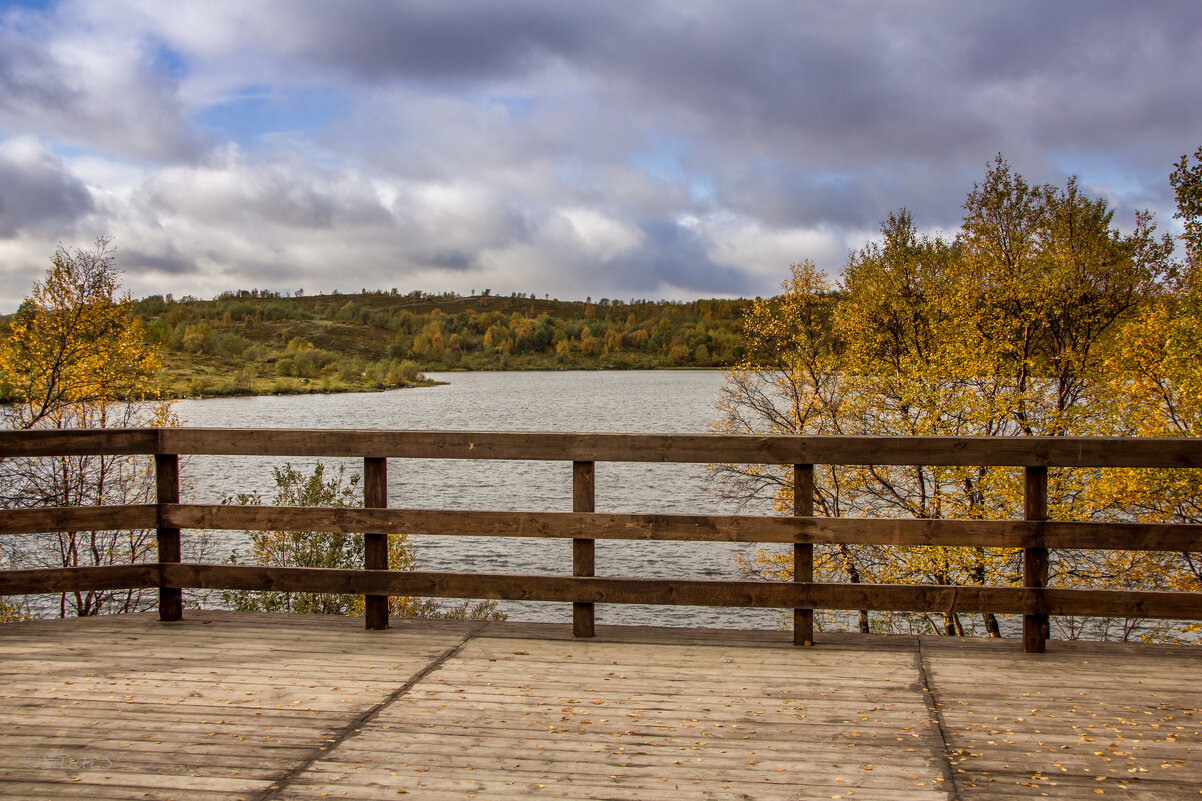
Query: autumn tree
[1048,278]
[1053,284]
[75,344]
[1187,186]
[790,382]
[1005,330]
[911,368]
[76,358]
[1156,373]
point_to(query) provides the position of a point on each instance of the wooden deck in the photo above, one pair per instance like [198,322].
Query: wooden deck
[240,706]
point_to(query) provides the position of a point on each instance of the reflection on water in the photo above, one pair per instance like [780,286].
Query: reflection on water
[628,401]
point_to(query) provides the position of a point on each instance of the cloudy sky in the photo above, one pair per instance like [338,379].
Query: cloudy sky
[612,149]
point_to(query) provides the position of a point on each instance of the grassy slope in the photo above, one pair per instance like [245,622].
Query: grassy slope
[247,344]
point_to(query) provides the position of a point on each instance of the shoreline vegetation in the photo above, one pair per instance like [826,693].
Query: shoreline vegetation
[262,342]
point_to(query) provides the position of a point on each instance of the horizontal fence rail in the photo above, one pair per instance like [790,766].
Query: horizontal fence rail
[611,526]
[687,592]
[574,447]
[1035,535]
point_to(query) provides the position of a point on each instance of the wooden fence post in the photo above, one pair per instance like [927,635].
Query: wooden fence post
[166,484]
[583,550]
[1035,560]
[803,552]
[375,546]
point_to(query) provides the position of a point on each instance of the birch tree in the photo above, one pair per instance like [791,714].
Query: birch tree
[76,358]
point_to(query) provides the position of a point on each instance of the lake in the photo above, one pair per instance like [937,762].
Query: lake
[669,401]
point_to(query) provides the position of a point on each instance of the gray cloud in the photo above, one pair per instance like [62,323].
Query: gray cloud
[36,193]
[437,41]
[136,261]
[28,76]
[677,256]
[456,260]
[90,91]
[231,189]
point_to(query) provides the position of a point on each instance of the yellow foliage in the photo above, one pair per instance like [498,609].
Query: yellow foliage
[76,359]
[1039,319]
[75,344]
[10,613]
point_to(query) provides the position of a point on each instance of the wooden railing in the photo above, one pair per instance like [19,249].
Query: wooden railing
[1034,535]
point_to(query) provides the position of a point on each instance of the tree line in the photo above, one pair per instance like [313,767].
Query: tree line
[261,342]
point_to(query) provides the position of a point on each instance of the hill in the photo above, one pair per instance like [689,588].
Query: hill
[259,342]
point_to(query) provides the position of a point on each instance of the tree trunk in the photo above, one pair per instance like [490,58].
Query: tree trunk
[853,576]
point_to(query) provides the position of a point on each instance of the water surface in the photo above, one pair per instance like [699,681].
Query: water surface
[619,401]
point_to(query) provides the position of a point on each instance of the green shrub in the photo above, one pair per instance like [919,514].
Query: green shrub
[229,345]
[330,550]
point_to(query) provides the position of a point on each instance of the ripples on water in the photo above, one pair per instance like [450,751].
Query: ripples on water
[628,401]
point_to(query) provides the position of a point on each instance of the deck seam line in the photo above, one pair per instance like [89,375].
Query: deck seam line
[936,717]
[366,716]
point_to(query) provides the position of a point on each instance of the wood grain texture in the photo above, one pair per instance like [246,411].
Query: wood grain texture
[1035,557]
[703,448]
[108,441]
[156,711]
[556,446]
[375,543]
[803,552]
[81,579]
[584,550]
[702,528]
[78,518]
[226,705]
[166,481]
[782,595]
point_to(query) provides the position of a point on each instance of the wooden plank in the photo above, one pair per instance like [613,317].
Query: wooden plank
[78,518]
[707,528]
[584,500]
[141,787]
[700,448]
[78,442]
[81,579]
[375,544]
[1152,605]
[803,552]
[782,595]
[1035,558]
[166,479]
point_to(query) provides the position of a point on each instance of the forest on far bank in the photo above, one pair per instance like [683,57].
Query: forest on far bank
[265,342]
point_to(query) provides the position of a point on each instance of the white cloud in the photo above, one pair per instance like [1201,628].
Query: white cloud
[602,237]
[752,247]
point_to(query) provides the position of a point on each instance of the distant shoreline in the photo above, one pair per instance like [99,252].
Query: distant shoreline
[314,387]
